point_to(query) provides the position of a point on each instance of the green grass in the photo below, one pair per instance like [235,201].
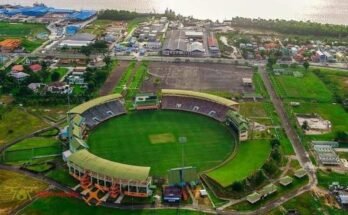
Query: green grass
[137,80]
[98,27]
[12,187]
[59,206]
[61,175]
[61,70]
[24,31]
[310,87]
[30,148]
[16,123]
[326,178]
[251,155]
[307,203]
[125,77]
[127,139]
[256,112]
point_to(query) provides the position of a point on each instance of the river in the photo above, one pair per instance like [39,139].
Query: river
[324,11]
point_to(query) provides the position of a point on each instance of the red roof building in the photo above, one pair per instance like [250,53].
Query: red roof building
[17,68]
[36,67]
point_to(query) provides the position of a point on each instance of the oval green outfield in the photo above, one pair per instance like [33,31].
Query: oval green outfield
[251,155]
[151,138]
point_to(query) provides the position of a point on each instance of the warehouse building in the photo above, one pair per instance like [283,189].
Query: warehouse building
[78,40]
[83,15]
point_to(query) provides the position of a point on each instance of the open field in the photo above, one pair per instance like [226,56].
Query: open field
[256,112]
[15,189]
[309,87]
[61,175]
[58,206]
[52,113]
[113,78]
[326,178]
[307,203]
[198,77]
[30,148]
[24,31]
[251,155]
[127,139]
[16,123]
[125,78]
[97,27]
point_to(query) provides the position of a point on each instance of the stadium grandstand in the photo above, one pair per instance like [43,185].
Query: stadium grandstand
[90,170]
[239,123]
[206,104]
[121,179]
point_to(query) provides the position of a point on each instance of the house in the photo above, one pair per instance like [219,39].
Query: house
[59,88]
[153,45]
[79,70]
[35,87]
[35,67]
[343,197]
[9,45]
[76,80]
[17,68]
[196,49]
[19,76]
[213,44]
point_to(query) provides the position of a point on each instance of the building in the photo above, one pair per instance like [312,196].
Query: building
[326,155]
[196,49]
[154,45]
[35,67]
[194,35]
[239,124]
[38,10]
[17,68]
[254,197]
[9,45]
[71,30]
[300,173]
[59,88]
[78,40]
[343,197]
[83,15]
[213,45]
[285,181]
[333,144]
[35,87]
[19,76]
[176,44]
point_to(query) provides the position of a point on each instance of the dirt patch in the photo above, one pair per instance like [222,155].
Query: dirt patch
[198,77]
[162,138]
[113,79]
[346,82]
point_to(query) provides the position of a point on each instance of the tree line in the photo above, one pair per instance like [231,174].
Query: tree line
[120,15]
[293,27]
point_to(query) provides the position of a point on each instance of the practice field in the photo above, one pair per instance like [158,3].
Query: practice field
[251,155]
[309,87]
[151,138]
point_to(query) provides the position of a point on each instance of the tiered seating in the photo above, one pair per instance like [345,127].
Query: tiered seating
[100,113]
[208,108]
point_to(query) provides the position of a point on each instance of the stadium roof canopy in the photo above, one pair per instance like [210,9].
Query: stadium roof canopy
[98,101]
[199,95]
[90,162]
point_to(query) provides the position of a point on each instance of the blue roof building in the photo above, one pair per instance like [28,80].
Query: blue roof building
[83,15]
[72,29]
[57,10]
[35,11]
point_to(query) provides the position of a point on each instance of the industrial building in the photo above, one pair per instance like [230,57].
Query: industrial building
[82,15]
[78,40]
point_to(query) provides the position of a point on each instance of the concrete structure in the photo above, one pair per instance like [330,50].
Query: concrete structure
[59,88]
[326,155]
[239,123]
[78,40]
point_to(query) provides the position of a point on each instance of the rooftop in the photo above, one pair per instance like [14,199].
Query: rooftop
[87,105]
[90,162]
[204,96]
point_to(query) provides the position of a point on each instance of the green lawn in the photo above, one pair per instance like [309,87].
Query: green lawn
[326,178]
[125,78]
[61,70]
[25,31]
[310,87]
[16,123]
[31,148]
[256,112]
[251,155]
[98,27]
[61,175]
[150,138]
[65,206]
[308,203]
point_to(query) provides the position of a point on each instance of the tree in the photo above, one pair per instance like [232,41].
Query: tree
[272,60]
[306,65]
[107,60]
[55,76]
[276,155]
[237,186]
[275,143]
[86,50]
[305,125]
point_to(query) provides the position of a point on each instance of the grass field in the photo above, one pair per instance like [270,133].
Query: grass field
[127,139]
[31,148]
[307,203]
[98,27]
[16,188]
[125,78]
[16,123]
[59,206]
[251,155]
[25,31]
[326,178]
[309,87]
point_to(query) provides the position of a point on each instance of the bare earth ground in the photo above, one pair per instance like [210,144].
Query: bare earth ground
[113,78]
[198,77]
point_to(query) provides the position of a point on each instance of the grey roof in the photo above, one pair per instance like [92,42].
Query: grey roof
[83,37]
[176,41]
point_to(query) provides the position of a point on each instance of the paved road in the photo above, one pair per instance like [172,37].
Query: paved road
[300,151]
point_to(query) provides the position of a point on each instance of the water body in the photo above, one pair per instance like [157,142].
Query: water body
[324,11]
